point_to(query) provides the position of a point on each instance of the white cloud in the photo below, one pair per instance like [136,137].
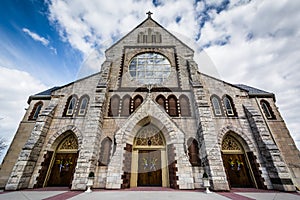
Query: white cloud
[268,59]
[98,23]
[260,38]
[36,37]
[40,39]
[15,86]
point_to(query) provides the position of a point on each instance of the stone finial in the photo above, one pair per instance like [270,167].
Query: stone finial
[149,13]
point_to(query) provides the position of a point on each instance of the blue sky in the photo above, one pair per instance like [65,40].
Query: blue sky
[53,42]
[48,59]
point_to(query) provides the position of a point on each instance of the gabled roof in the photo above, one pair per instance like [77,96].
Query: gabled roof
[47,92]
[254,92]
[141,24]
[251,90]
[46,95]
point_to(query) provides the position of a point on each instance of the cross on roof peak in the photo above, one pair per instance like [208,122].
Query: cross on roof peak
[149,14]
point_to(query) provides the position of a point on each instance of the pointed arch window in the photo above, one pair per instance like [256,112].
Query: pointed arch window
[36,111]
[137,101]
[70,105]
[114,104]
[105,151]
[161,100]
[229,106]
[84,100]
[193,152]
[216,103]
[126,101]
[184,106]
[267,109]
[172,106]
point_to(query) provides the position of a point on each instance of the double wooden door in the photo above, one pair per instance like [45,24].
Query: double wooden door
[237,170]
[149,168]
[63,169]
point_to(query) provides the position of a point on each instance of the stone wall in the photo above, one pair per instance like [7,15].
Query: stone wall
[23,133]
[285,142]
[28,157]
[276,168]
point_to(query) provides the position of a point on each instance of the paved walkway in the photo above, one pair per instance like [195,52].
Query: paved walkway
[146,194]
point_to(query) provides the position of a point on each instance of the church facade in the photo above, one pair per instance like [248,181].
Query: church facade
[150,118]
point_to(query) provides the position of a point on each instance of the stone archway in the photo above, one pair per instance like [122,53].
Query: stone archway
[236,163]
[119,169]
[63,162]
[57,137]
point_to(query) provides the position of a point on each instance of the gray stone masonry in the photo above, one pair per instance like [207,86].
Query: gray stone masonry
[275,166]
[254,132]
[150,109]
[88,156]
[209,149]
[24,167]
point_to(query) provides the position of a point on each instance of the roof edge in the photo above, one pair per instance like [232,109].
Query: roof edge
[251,95]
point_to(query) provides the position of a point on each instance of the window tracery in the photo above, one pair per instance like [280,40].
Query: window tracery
[69,143]
[216,106]
[230,143]
[70,106]
[149,68]
[84,100]
[229,106]
[149,136]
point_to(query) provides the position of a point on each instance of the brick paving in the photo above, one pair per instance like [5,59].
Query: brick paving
[234,196]
[62,193]
[66,195]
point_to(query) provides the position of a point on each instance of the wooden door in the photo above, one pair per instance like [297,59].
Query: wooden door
[63,169]
[149,168]
[237,171]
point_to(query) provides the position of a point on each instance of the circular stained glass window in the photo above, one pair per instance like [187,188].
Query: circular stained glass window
[149,68]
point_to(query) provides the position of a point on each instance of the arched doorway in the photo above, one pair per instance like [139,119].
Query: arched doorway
[64,162]
[149,160]
[236,163]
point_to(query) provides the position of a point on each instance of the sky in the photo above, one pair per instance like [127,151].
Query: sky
[46,43]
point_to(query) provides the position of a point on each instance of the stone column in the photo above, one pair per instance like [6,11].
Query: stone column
[92,131]
[28,157]
[209,149]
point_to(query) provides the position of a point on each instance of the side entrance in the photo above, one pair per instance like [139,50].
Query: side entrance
[236,163]
[63,163]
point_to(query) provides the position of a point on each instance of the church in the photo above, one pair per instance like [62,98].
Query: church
[150,118]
